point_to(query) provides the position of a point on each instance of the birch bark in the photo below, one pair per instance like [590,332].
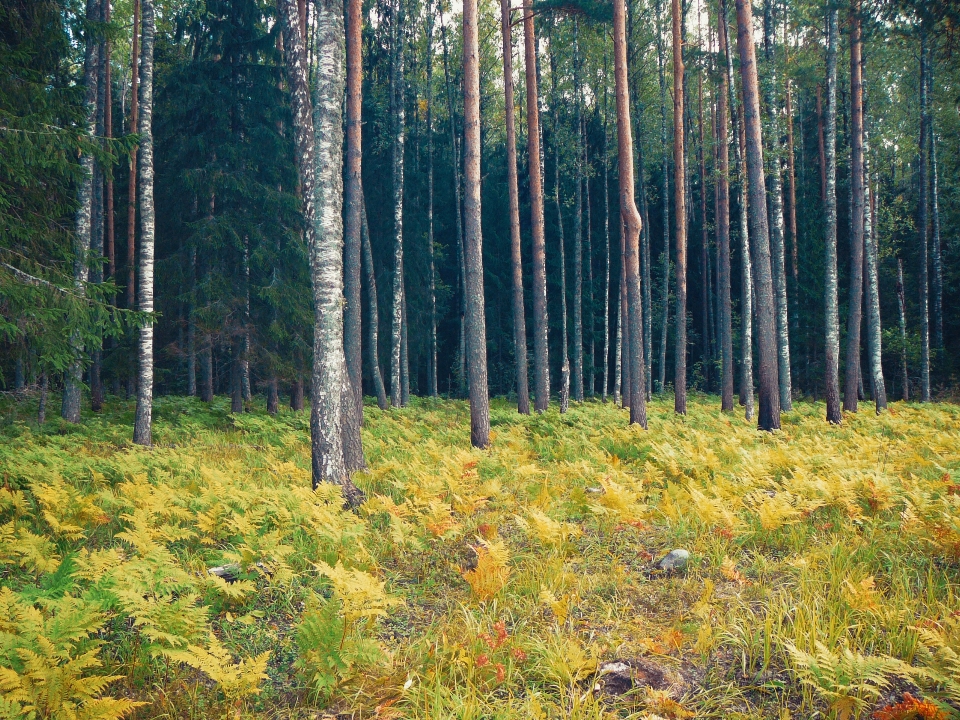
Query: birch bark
[680,213]
[832,339]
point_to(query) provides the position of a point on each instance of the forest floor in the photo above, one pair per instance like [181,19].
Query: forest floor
[517,582]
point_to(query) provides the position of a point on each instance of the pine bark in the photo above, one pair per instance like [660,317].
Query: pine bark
[472,239]
[854,312]
[936,253]
[353,189]
[665,210]
[206,372]
[397,103]
[519,322]
[705,286]
[432,388]
[73,378]
[723,239]
[794,238]
[630,217]
[541,366]
[373,315]
[775,187]
[924,223]
[768,417]
[606,242]
[832,339]
[680,213]
[143,425]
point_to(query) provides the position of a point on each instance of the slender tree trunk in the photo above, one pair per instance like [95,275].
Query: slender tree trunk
[519,323]
[776,213]
[606,243]
[646,273]
[404,353]
[541,365]
[821,142]
[769,416]
[192,327]
[854,313]
[829,158]
[577,227]
[624,329]
[564,357]
[665,208]
[108,134]
[874,334]
[373,316]
[318,142]
[746,270]
[723,237]
[353,189]
[935,248]
[206,371]
[630,217]
[296,394]
[705,288]
[924,171]
[618,374]
[901,302]
[143,425]
[397,116]
[273,396]
[590,362]
[245,344]
[236,377]
[432,388]
[132,185]
[97,219]
[680,213]
[794,238]
[473,239]
[73,378]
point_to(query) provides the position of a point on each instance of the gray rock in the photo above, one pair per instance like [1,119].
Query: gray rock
[675,560]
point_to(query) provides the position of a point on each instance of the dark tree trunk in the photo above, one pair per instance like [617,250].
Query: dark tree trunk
[143,424]
[206,372]
[630,217]
[829,158]
[561,242]
[665,209]
[768,417]
[901,302]
[577,227]
[236,370]
[472,238]
[519,323]
[296,395]
[42,404]
[723,238]
[273,396]
[352,190]
[97,219]
[924,215]
[373,315]
[541,366]
[854,313]
[705,288]
[432,388]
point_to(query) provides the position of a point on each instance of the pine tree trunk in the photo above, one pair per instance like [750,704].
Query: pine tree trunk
[476,333]
[854,313]
[606,246]
[352,190]
[705,288]
[746,270]
[143,425]
[924,223]
[519,323]
[561,241]
[590,361]
[630,217]
[397,97]
[541,365]
[768,417]
[192,327]
[832,340]
[901,302]
[132,184]
[273,396]
[623,328]
[236,377]
[42,404]
[665,209]
[245,345]
[432,388]
[723,236]
[775,195]
[935,248]
[794,238]
[373,316]
[296,395]
[646,275]
[680,213]
[73,377]
[318,142]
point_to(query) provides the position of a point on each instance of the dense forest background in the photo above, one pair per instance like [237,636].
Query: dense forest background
[233,297]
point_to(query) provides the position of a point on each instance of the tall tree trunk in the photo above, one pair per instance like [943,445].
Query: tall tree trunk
[794,238]
[577,227]
[296,394]
[590,362]
[42,403]
[397,96]
[874,334]
[373,316]
[472,239]
[352,190]
[646,280]
[132,185]
[318,142]
[404,353]
[245,345]
[746,270]
[236,377]
[432,388]
[108,134]
[821,142]
[541,364]
[273,396]
[705,288]
[852,374]
[73,378]
[97,219]
[665,208]
[832,340]
[901,302]
[630,218]
[776,211]
[935,248]
[564,357]
[143,425]
[519,323]
[606,243]
[206,371]
[192,327]
[924,171]
[723,236]
[768,417]
[680,213]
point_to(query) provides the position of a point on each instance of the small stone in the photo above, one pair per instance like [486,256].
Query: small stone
[675,560]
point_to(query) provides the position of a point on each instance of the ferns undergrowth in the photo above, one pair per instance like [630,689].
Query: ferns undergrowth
[480,584]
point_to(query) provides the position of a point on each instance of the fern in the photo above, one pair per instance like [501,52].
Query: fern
[237,679]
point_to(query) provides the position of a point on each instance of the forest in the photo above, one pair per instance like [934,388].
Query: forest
[430,359]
